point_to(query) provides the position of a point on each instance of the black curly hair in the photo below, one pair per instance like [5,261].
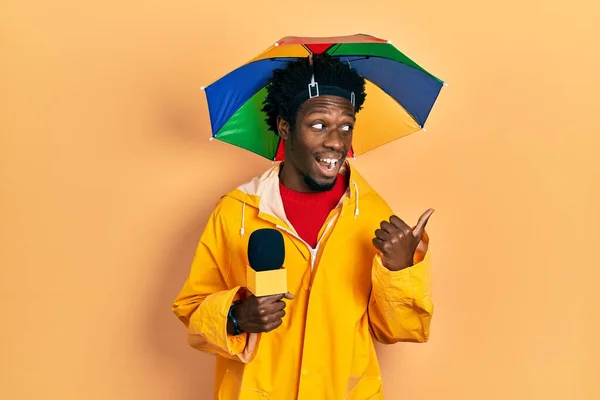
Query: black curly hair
[286,83]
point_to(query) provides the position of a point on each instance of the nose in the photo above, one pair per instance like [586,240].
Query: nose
[334,140]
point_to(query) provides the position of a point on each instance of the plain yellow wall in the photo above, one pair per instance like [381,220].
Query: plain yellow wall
[107,178]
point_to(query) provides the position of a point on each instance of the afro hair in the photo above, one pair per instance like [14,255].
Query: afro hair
[287,82]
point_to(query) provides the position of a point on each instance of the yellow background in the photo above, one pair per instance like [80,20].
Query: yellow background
[107,177]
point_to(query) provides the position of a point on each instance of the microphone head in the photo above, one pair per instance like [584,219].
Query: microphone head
[266,250]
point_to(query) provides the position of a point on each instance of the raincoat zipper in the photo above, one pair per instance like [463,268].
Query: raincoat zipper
[315,251]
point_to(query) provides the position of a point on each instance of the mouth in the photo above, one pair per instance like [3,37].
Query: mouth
[329,166]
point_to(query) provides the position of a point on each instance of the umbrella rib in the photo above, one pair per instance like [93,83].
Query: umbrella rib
[274,59]
[337,46]
[396,101]
[360,57]
[242,105]
[367,56]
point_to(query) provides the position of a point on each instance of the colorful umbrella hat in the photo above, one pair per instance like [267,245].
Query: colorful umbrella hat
[400,93]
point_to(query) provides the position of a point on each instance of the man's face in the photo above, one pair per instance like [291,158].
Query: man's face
[317,146]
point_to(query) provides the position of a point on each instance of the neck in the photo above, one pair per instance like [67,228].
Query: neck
[292,179]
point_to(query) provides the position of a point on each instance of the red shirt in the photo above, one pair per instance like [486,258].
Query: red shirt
[307,212]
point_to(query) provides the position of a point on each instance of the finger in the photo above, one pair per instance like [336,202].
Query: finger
[280,305]
[387,227]
[399,224]
[272,316]
[420,228]
[272,325]
[265,308]
[378,243]
[382,235]
[272,308]
[289,296]
[265,300]
[278,315]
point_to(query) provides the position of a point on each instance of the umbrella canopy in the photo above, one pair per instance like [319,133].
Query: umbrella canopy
[400,93]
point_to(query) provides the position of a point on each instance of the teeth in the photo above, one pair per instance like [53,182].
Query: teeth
[329,160]
[331,163]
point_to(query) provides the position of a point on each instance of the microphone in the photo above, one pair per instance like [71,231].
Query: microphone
[265,274]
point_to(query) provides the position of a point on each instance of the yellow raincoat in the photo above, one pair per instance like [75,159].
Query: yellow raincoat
[345,299]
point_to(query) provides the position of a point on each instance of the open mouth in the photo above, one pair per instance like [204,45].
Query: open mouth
[328,166]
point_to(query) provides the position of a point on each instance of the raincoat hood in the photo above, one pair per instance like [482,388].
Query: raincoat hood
[262,193]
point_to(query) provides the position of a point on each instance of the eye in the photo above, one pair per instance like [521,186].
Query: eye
[347,128]
[319,126]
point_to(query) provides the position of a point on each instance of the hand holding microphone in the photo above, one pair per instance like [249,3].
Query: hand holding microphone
[261,314]
[263,310]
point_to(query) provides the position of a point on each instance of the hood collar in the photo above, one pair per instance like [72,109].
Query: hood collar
[262,192]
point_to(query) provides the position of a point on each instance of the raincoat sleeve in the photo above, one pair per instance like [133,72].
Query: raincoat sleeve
[400,307]
[203,302]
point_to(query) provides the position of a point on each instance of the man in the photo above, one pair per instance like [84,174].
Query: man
[356,272]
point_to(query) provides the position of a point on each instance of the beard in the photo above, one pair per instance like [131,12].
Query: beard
[316,186]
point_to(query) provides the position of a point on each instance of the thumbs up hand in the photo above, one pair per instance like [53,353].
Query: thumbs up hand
[397,242]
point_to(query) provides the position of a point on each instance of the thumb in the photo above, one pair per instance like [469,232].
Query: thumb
[420,228]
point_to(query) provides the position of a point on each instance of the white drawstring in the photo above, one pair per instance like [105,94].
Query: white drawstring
[242,227]
[356,205]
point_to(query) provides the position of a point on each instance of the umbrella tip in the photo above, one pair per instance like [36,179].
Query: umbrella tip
[202,87]
[389,42]
[211,139]
[276,44]
[445,83]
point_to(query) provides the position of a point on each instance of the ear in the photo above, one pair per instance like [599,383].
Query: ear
[284,128]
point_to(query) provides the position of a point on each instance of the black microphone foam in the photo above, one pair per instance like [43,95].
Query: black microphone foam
[266,250]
